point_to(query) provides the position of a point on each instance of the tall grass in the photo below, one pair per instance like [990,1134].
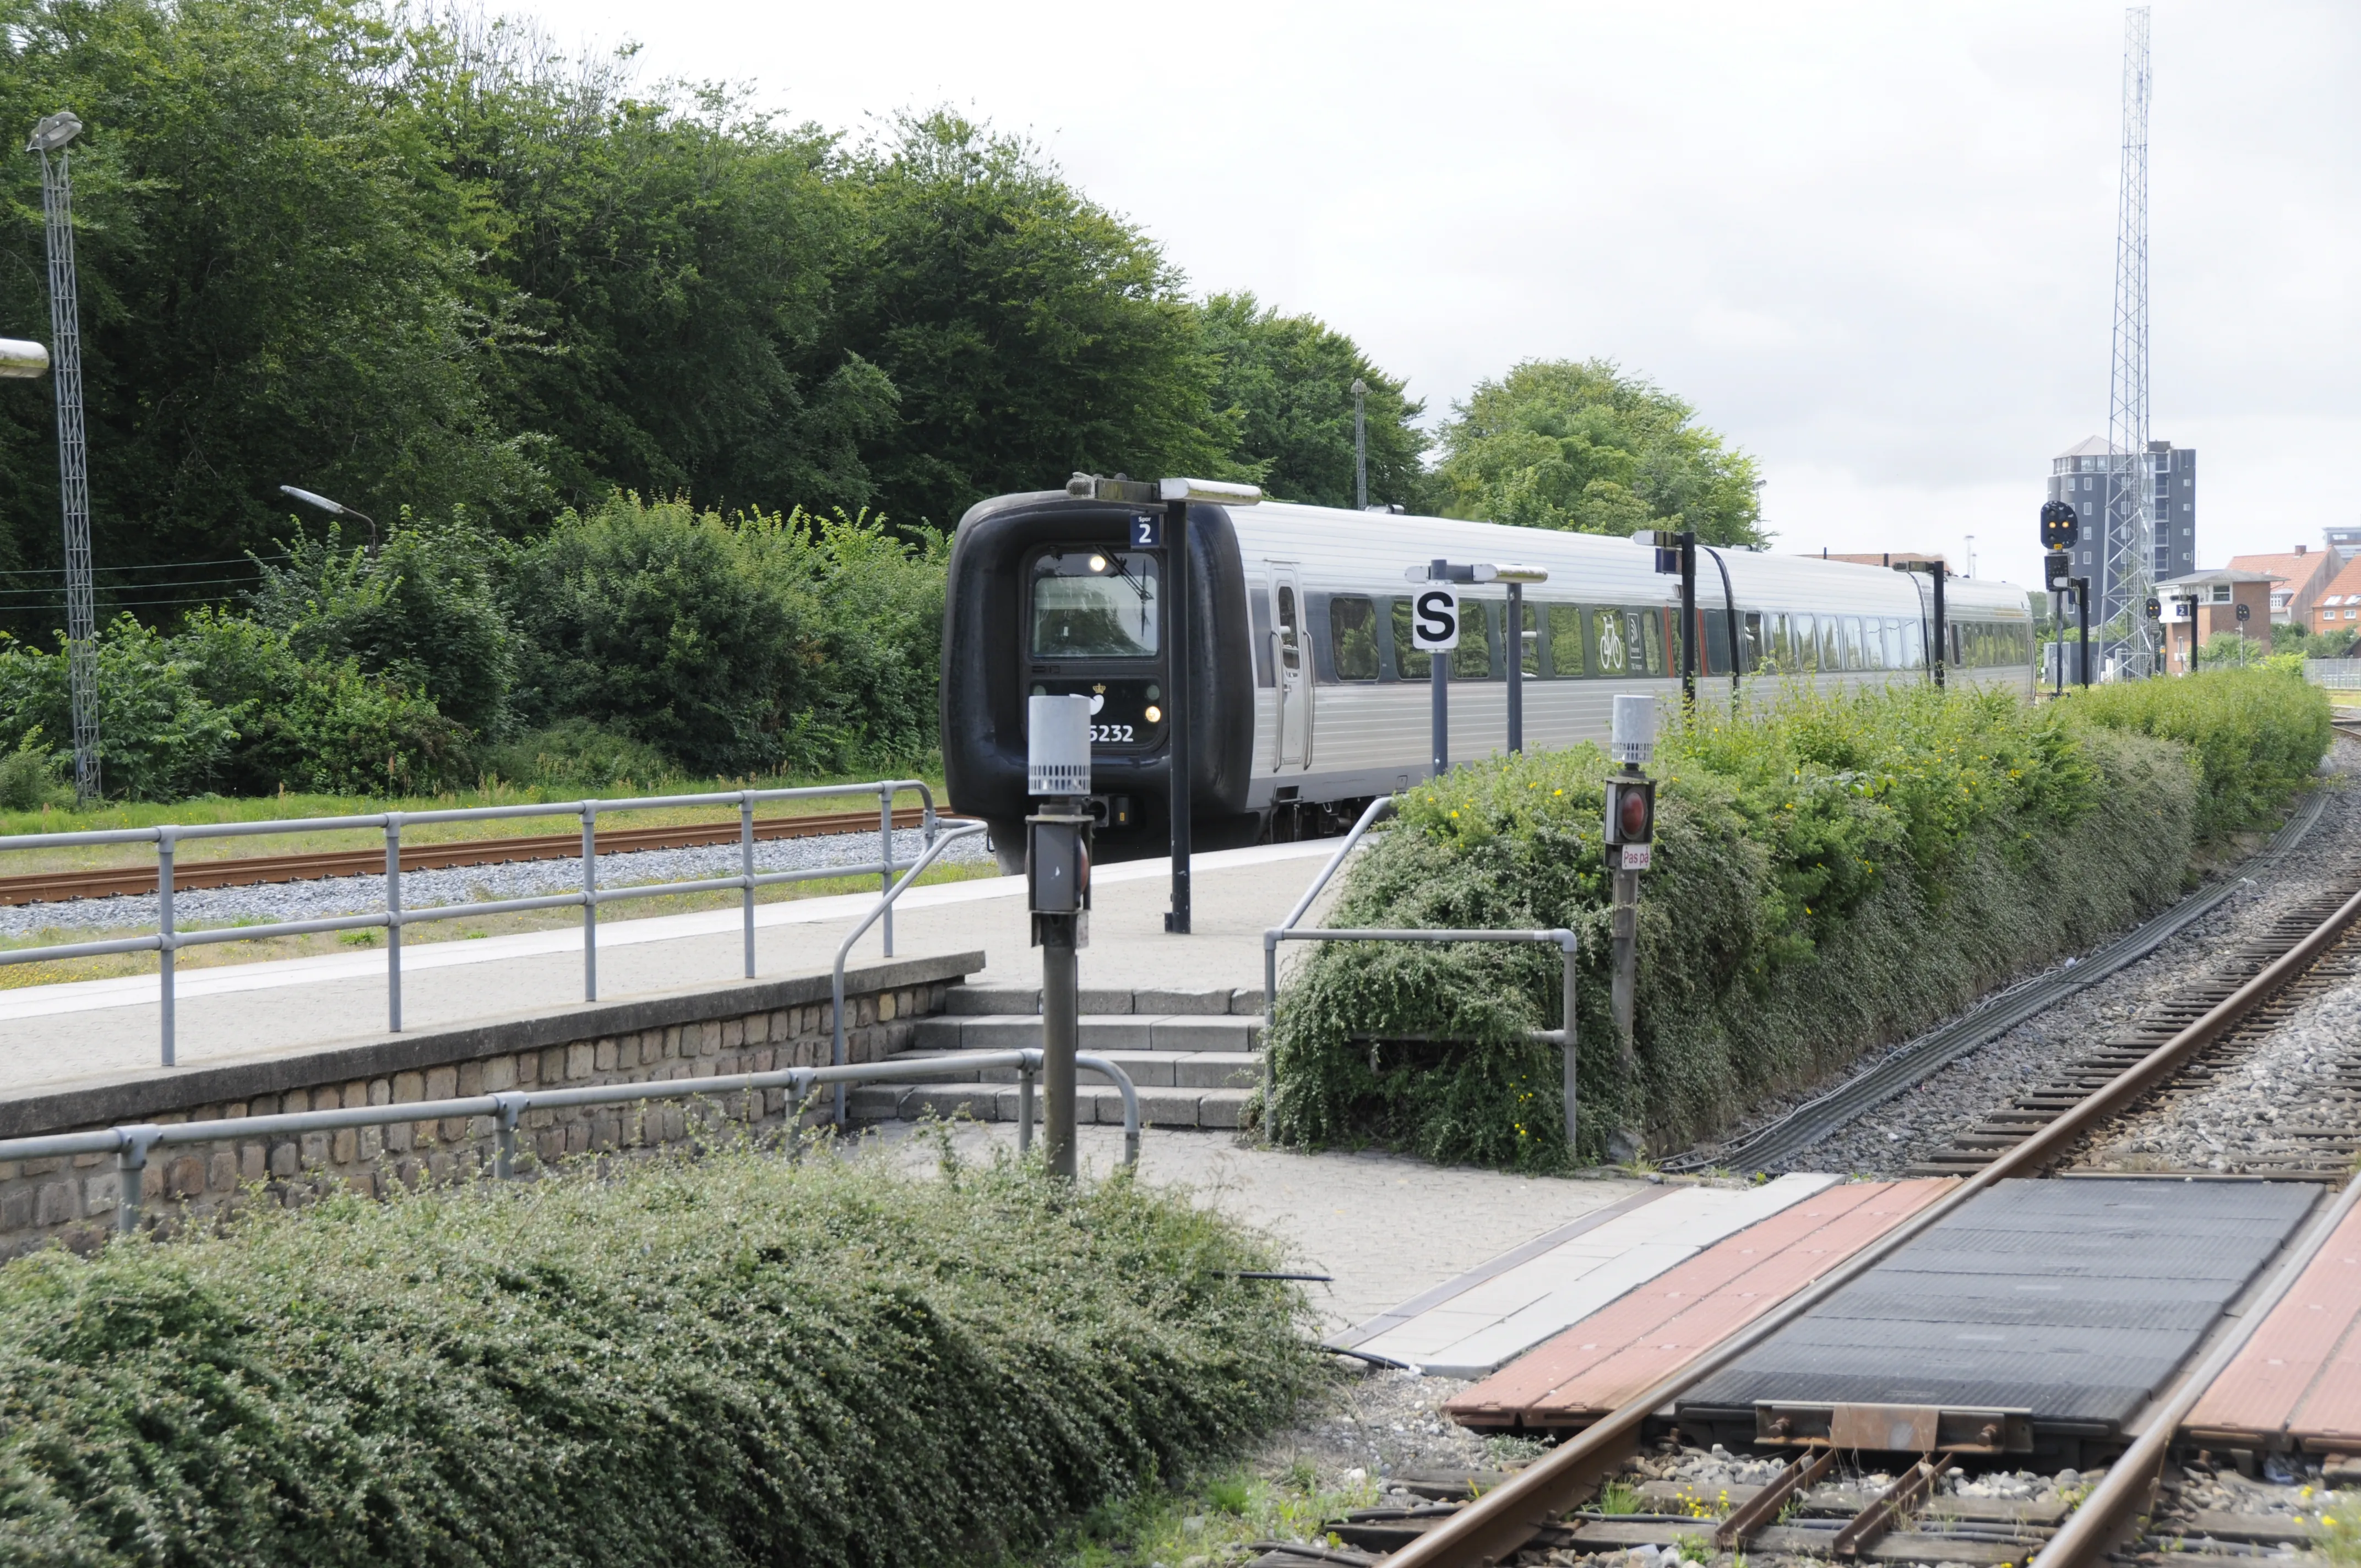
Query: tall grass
[737,1361]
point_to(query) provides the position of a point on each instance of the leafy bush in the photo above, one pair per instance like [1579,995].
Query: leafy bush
[158,736]
[737,1361]
[645,617]
[575,753]
[2257,734]
[421,613]
[1831,872]
[31,775]
[315,724]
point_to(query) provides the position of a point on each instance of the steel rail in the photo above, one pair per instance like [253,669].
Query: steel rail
[1498,1523]
[244,871]
[2128,1488]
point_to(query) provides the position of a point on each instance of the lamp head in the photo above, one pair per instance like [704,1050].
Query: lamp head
[53,132]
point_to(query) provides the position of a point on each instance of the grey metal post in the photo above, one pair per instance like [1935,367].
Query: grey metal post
[1626,917]
[1360,444]
[746,857]
[394,922]
[1572,1088]
[130,1173]
[512,1107]
[2082,614]
[1058,1029]
[589,901]
[885,860]
[1438,669]
[1688,619]
[1516,668]
[1023,1110]
[1942,627]
[52,135]
[164,936]
[1182,718]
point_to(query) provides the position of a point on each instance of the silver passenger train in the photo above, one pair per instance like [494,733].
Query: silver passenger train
[1309,699]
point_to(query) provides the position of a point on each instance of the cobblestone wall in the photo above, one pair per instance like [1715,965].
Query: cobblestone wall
[73,1201]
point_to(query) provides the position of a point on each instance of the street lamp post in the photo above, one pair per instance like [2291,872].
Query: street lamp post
[1360,444]
[333,508]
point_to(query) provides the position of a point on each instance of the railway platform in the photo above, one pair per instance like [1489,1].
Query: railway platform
[83,1031]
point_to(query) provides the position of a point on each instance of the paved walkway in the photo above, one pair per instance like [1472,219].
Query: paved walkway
[1388,1227]
[93,1028]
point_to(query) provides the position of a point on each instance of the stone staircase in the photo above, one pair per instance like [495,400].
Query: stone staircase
[1194,1056]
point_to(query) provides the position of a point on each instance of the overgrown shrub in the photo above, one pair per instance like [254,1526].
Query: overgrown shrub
[1832,872]
[2258,733]
[737,1361]
[31,775]
[577,753]
[159,738]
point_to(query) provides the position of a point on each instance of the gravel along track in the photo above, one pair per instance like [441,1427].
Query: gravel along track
[1922,1122]
[464,884]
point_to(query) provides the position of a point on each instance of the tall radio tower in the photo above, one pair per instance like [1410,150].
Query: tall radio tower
[2130,572]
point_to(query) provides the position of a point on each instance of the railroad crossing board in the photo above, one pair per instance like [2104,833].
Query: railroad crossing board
[2072,1300]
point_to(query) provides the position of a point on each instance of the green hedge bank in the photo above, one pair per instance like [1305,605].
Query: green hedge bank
[1832,872]
[735,1362]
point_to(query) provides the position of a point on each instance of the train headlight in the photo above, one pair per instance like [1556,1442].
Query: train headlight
[1155,715]
[1098,563]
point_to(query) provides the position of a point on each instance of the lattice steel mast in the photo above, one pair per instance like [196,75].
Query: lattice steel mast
[2130,568]
[74,459]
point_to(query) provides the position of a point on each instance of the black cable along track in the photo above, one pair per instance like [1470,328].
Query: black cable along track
[1912,1064]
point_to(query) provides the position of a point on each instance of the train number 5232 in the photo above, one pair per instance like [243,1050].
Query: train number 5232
[1111,734]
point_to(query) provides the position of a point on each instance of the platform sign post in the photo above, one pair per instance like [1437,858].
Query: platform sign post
[1434,631]
[1058,895]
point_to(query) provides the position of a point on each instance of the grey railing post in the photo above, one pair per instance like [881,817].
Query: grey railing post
[746,856]
[513,1108]
[886,857]
[394,922]
[1025,1107]
[1566,943]
[1269,1022]
[130,1172]
[589,901]
[164,939]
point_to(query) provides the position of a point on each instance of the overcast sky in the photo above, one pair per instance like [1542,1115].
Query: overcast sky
[1872,244]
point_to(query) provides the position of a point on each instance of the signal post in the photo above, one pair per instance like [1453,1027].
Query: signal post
[1631,848]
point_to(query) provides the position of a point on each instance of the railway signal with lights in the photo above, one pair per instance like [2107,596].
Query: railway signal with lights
[1631,814]
[2060,526]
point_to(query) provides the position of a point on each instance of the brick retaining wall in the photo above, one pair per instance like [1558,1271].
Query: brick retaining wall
[754,1027]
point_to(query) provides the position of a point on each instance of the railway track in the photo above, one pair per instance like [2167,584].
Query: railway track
[242,870]
[1823,1505]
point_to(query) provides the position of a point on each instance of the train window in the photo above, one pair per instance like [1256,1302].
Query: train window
[1646,630]
[1852,659]
[1757,647]
[1472,660]
[1873,645]
[1410,665]
[1806,636]
[1567,660]
[1529,641]
[1353,637]
[1610,646]
[1831,643]
[1913,645]
[1716,643]
[1783,644]
[1094,604]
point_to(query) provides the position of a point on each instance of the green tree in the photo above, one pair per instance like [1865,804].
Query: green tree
[278,278]
[1581,446]
[672,267]
[1029,332]
[1288,380]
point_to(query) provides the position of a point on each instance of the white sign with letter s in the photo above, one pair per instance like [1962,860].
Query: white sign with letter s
[1435,620]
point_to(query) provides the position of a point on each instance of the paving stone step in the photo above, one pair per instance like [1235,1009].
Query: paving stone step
[1148,1070]
[1100,1032]
[997,1001]
[1093,1102]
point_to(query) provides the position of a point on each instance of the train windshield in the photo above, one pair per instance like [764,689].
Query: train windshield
[1094,604]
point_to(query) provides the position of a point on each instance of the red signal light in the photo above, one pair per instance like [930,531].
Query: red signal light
[1635,816]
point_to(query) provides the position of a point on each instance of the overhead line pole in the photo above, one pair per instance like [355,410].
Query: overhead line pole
[50,136]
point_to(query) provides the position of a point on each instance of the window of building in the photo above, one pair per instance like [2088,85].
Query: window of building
[2221,593]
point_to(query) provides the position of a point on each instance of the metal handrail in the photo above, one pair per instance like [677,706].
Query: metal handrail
[130,1142]
[1567,942]
[884,907]
[1374,813]
[168,837]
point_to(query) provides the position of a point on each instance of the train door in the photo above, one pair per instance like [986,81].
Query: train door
[1290,662]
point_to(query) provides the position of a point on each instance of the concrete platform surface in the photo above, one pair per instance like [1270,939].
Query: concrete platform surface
[1386,1226]
[87,1028]
[1468,1326]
